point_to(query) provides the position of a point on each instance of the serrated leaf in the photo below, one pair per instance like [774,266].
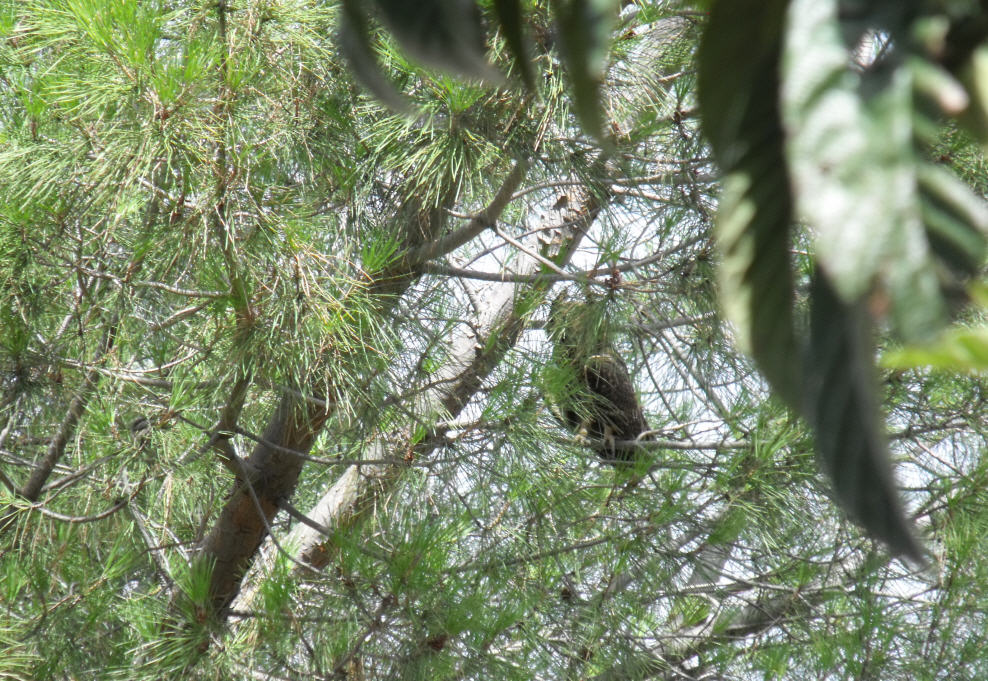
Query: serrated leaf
[509,16]
[738,92]
[444,34]
[853,168]
[584,38]
[842,406]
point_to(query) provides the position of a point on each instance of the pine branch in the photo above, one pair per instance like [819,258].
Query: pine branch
[472,356]
[31,489]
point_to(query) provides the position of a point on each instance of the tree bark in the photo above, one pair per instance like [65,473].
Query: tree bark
[271,473]
[475,350]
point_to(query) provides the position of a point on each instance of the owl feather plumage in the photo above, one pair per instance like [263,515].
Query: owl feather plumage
[591,387]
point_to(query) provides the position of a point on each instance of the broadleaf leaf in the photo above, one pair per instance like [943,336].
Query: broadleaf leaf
[444,34]
[355,44]
[738,90]
[584,36]
[854,170]
[956,219]
[842,406]
[509,16]
[962,349]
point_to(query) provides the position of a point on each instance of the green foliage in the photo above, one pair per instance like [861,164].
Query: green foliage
[738,88]
[510,19]
[584,35]
[208,311]
[449,35]
[842,406]
[959,350]
[846,155]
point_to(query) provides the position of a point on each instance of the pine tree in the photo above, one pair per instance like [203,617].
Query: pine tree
[274,358]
